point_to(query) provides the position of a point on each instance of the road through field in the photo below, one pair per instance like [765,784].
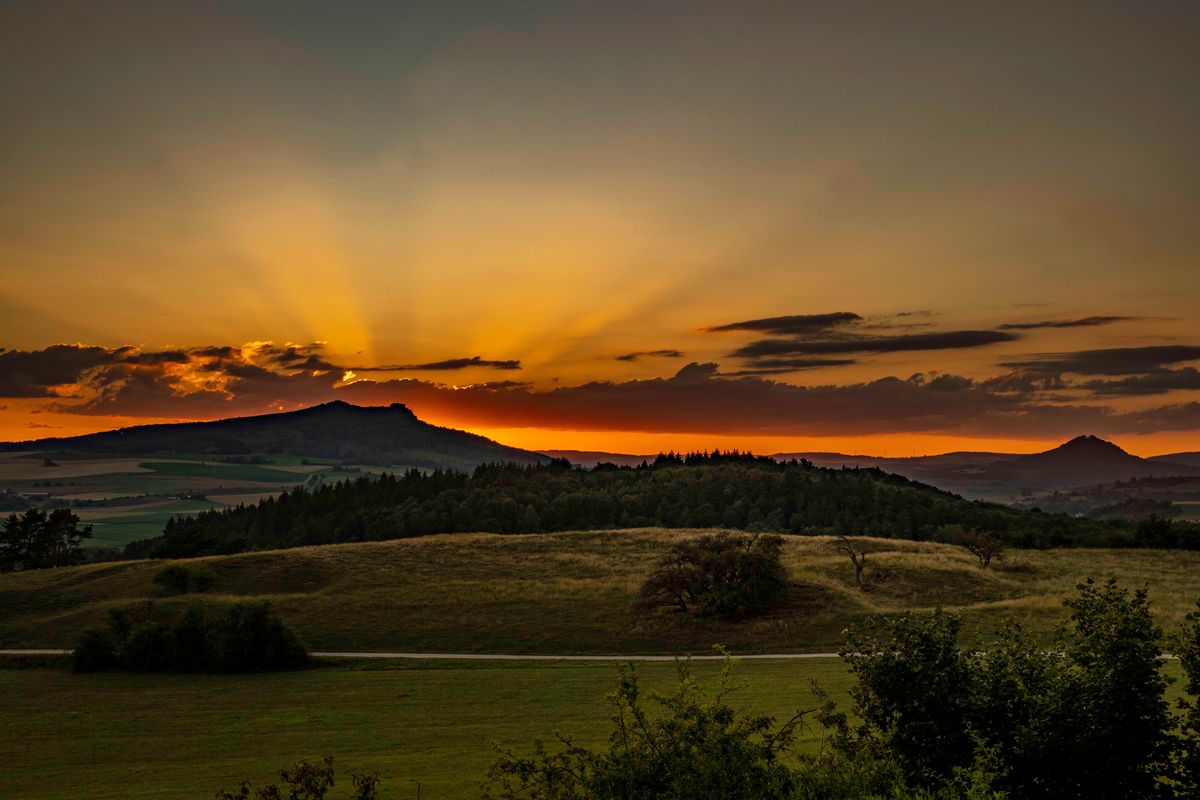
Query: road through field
[500,656]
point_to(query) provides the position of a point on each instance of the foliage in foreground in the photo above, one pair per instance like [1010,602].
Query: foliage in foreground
[306,781]
[244,637]
[1085,718]
[719,574]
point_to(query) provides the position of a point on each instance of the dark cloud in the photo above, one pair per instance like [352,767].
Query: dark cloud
[36,373]
[944,340]
[782,366]
[219,382]
[650,354]
[1113,361]
[1024,383]
[40,425]
[795,325]
[446,365]
[1159,382]
[700,399]
[1083,322]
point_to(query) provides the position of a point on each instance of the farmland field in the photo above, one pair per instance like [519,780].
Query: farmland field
[132,497]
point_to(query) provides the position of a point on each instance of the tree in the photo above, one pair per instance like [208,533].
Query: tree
[985,547]
[914,692]
[1085,717]
[244,637]
[858,558]
[718,575]
[1188,649]
[37,540]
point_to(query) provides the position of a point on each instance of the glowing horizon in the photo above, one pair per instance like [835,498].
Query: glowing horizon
[884,230]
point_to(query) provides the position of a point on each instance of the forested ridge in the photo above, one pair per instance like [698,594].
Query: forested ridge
[727,490]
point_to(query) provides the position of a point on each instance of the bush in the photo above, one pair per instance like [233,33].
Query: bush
[720,574]
[96,651]
[250,637]
[307,781]
[180,579]
[246,637]
[1085,717]
[698,748]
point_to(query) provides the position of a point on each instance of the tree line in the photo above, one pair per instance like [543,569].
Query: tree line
[37,539]
[702,490]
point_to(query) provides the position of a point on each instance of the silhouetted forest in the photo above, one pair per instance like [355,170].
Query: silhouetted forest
[727,490]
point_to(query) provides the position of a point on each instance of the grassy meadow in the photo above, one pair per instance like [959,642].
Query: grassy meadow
[574,593]
[437,721]
[185,736]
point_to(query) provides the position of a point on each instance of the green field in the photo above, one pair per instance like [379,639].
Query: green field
[219,471]
[117,525]
[185,736]
[575,592]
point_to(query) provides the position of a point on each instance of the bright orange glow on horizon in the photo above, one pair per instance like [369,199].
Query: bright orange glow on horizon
[565,200]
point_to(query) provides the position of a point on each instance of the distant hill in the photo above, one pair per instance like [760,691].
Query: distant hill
[724,490]
[383,435]
[1190,459]
[1083,461]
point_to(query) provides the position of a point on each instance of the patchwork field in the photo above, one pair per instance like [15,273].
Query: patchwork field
[575,592]
[132,497]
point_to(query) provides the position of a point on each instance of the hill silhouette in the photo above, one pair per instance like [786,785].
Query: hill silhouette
[1082,461]
[385,435]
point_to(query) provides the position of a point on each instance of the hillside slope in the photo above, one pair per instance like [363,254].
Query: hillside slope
[357,434]
[697,491]
[574,592]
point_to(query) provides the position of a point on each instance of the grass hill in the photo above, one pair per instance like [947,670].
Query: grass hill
[575,592]
[336,430]
[696,491]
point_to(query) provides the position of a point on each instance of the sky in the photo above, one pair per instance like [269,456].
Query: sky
[870,227]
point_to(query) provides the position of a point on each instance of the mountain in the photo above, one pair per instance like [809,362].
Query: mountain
[384,435]
[1085,460]
[1190,459]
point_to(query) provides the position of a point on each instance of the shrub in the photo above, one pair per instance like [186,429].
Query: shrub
[720,574]
[246,637]
[698,748]
[180,579]
[307,781]
[202,579]
[96,651]
[250,637]
[174,578]
[1085,717]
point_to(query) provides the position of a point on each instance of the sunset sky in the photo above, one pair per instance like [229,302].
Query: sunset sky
[873,227]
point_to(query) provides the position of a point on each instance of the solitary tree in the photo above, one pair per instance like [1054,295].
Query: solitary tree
[857,557]
[983,546]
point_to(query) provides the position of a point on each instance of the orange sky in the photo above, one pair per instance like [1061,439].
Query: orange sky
[564,184]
